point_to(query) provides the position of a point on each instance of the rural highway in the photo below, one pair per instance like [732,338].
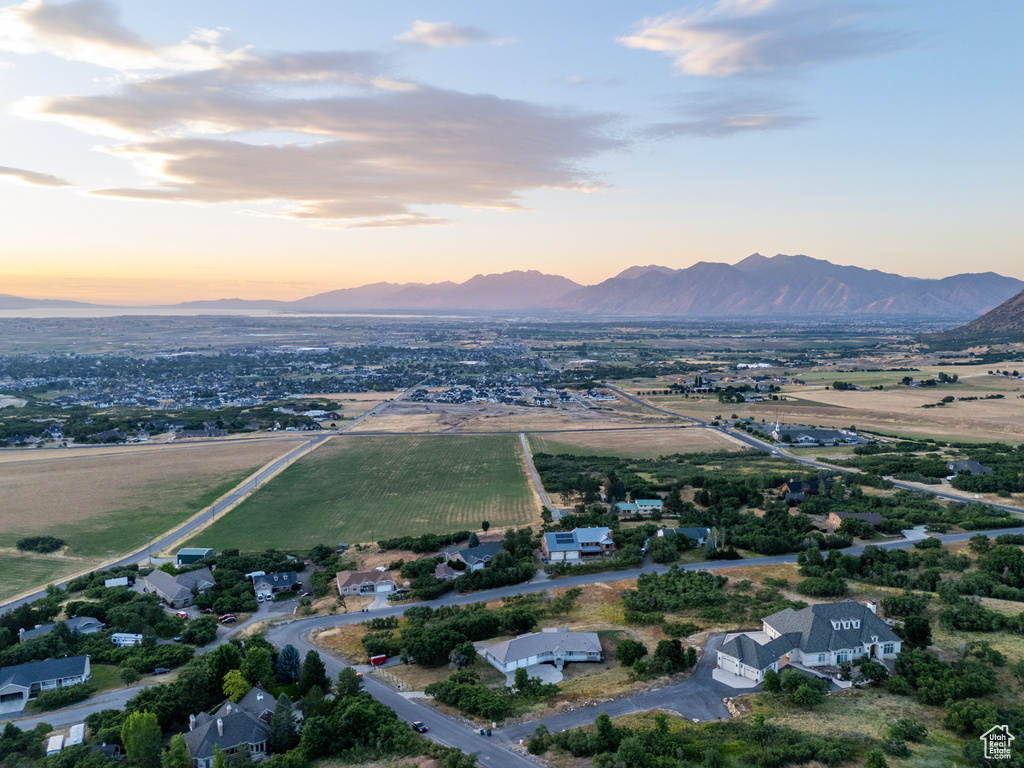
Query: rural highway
[186,529]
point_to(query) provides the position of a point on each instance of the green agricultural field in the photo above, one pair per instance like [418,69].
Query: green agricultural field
[358,489]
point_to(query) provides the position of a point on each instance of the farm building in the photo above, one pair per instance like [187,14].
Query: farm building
[819,635]
[177,591]
[192,555]
[85,625]
[21,682]
[365,582]
[269,584]
[578,545]
[476,558]
[555,645]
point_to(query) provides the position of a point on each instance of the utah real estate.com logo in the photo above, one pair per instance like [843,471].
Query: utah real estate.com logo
[997,742]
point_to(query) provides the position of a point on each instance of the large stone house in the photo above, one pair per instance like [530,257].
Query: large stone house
[816,636]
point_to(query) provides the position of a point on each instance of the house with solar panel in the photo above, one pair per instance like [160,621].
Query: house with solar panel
[578,545]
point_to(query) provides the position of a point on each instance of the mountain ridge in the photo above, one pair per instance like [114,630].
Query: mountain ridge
[757,286]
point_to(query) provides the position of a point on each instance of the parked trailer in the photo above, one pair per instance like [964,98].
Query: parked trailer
[378,660]
[55,745]
[76,736]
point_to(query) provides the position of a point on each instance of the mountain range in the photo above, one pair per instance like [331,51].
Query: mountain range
[757,286]
[1005,323]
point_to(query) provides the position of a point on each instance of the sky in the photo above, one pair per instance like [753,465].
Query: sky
[155,152]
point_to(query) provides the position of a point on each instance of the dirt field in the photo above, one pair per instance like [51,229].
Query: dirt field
[354,404]
[639,443]
[109,501]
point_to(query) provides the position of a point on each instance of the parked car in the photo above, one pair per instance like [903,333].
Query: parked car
[228,618]
[306,594]
[419,727]
[207,611]
[182,614]
[161,671]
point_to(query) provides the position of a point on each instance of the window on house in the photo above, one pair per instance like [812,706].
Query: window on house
[821,657]
[842,656]
[856,624]
[887,648]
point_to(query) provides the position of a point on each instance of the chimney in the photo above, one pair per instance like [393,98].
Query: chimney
[191,722]
[873,606]
[229,708]
[220,727]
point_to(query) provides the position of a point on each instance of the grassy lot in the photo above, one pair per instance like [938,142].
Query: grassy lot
[635,443]
[355,489]
[20,573]
[105,677]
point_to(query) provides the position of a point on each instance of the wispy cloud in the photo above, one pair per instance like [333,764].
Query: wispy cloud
[719,115]
[736,37]
[364,148]
[91,31]
[34,177]
[442,34]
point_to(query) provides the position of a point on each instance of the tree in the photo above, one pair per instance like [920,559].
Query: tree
[257,668]
[771,683]
[313,673]
[235,686]
[142,739]
[201,631]
[808,696]
[314,703]
[177,754]
[462,655]
[876,760]
[220,661]
[220,760]
[289,664]
[629,651]
[484,525]
[607,737]
[917,632]
[349,683]
[282,726]
[474,540]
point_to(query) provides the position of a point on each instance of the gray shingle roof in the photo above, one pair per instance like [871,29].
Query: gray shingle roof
[472,555]
[694,533]
[548,641]
[285,580]
[817,635]
[79,624]
[571,541]
[240,727]
[25,675]
[758,656]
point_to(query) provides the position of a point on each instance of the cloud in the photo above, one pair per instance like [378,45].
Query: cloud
[441,34]
[91,31]
[34,178]
[737,37]
[719,115]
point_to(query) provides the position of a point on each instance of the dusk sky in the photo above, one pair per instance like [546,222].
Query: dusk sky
[160,152]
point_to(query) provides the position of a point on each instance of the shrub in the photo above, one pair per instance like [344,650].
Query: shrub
[40,544]
[63,697]
[629,651]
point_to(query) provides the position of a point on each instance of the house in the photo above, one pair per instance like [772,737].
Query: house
[19,683]
[816,636]
[578,545]
[476,558]
[269,584]
[798,490]
[555,645]
[835,519]
[177,591]
[365,582]
[699,535]
[968,465]
[237,726]
[86,625]
[192,555]
[640,506]
[261,704]
[444,572]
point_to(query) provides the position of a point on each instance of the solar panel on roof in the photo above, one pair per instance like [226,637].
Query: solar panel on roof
[564,538]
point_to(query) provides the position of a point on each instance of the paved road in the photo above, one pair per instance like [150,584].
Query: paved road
[697,698]
[198,520]
[535,477]
[489,751]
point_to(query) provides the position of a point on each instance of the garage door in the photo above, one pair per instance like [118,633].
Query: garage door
[384,588]
[750,673]
[729,665]
[9,697]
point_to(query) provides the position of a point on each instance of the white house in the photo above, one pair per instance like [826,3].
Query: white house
[555,645]
[816,636]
